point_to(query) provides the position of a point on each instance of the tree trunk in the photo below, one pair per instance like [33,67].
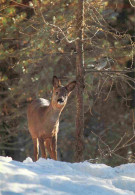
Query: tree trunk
[80,81]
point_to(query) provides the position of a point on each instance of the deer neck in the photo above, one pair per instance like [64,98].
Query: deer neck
[53,114]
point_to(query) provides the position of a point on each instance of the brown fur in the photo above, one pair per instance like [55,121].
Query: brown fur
[43,119]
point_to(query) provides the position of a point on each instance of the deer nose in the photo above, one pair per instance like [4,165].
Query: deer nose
[60,100]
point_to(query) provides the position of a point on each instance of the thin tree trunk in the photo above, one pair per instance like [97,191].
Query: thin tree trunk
[80,81]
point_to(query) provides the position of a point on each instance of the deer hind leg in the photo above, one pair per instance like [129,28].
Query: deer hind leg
[54,147]
[42,147]
[36,149]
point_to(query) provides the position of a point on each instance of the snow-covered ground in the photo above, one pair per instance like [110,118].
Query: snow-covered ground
[61,178]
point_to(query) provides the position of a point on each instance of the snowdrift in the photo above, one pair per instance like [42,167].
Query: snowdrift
[60,178]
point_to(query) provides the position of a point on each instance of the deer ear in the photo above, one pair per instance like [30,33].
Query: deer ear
[71,86]
[56,82]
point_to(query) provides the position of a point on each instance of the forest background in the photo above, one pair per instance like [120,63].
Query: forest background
[37,41]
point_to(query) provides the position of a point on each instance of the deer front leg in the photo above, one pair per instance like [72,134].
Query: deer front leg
[36,148]
[42,147]
[48,143]
[54,147]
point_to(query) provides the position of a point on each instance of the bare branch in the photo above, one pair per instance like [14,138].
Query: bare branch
[58,28]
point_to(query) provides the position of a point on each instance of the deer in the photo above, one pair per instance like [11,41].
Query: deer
[43,119]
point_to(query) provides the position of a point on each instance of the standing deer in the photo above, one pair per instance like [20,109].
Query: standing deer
[43,119]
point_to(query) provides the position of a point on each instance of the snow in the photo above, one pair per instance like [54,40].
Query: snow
[61,178]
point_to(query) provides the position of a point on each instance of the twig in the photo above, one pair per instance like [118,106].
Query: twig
[57,27]
[119,142]
[109,91]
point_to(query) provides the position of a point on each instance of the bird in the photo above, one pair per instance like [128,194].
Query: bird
[101,63]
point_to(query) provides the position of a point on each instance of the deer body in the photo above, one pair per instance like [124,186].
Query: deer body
[43,119]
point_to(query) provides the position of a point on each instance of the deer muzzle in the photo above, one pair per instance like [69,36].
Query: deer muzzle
[60,100]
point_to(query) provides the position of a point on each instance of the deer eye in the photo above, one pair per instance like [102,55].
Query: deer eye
[56,92]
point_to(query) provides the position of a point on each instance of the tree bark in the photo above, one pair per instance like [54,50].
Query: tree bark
[80,81]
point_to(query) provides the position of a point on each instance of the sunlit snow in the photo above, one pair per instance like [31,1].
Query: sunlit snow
[60,178]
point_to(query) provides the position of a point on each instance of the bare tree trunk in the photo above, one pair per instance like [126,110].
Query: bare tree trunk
[80,81]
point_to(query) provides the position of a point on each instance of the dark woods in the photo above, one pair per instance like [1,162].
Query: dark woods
[39,39]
